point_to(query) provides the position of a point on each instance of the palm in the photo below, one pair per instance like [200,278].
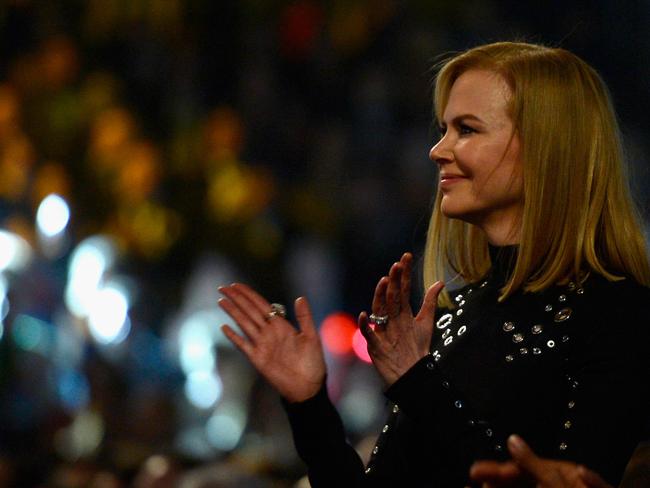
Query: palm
[290,360]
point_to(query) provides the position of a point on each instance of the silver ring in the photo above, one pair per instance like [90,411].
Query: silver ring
[277,310]
[379,320]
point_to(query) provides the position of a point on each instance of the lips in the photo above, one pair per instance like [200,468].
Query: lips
[451,177]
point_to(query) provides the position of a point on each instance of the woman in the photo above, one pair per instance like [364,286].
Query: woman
[545,335]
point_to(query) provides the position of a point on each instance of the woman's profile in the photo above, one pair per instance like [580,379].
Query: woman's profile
[542,326]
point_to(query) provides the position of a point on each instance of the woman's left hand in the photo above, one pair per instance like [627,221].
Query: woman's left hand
[529,470]
[405,339]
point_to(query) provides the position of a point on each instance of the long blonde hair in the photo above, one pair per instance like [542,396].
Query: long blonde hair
[578,215]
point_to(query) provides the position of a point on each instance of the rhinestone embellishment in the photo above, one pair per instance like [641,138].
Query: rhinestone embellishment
[517,338]
[462,330]
[548,308]
[444,321]
[562,315]
[508,326]
[537,329]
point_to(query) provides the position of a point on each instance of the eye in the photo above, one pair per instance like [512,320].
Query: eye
[465,129]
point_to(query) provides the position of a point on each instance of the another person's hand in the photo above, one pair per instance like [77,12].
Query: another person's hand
[404,340]
[529,470]
[291,360]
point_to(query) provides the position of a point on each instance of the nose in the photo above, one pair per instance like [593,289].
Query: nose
[441,153]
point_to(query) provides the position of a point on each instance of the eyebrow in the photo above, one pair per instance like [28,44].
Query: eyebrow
[462,117]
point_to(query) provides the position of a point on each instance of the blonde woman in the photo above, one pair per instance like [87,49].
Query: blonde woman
[544,336]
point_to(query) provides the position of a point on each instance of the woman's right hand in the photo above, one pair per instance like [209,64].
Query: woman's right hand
[291,360]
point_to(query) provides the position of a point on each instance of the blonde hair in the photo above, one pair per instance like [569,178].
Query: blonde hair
[578,215]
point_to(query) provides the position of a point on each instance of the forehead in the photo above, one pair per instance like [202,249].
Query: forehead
[479,92]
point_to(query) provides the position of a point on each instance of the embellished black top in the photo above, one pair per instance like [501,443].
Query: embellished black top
[567,369]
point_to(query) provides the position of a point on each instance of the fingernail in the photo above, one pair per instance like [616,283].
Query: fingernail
[516,443]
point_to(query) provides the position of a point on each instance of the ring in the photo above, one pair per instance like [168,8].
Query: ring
[277,310]
[379,320]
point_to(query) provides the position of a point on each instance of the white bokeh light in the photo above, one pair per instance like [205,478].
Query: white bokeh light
[88,264]
[225,428]
[203,388]
[15,252]
[52,216]
[107,319]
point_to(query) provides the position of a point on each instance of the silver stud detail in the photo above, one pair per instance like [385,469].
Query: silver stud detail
[571,286]
[565,338]
[562,315]
[510,358]
[551,343]
[561,298]
[368,470]
[395,409]
[448,341]
[375,450]
[488,432]
[536,329]
[517,338]
[508,326]
[459,298]
[483,285]
[563,446]
[571,404]
[536,351]
[430,366]
[462,330]
[459,312]
[446,333]
[436,355]
[523,351]
[458,404]
[444,321]
[469,291]
[445,384]
[567,424]
[580,291]
[548,308]
[498,448]
[385,429]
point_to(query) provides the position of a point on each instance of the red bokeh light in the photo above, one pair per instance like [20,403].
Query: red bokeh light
[337,331]
[360,346]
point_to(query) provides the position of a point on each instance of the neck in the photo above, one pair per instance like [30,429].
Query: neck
[501,229]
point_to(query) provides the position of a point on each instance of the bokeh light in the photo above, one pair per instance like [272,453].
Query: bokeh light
[360,347]
[88,263]
[337,332]
[15,252]
[203,388]
[108,321]
[226,426]
[52,216]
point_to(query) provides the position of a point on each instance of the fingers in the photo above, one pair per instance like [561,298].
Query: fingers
[241,343]
[526,458]
[379,298]
[366,330]
[494,472]
[405,285]
[248,325]
[430,302]
[393,291]
[591,479]
[247,301]
[304,316]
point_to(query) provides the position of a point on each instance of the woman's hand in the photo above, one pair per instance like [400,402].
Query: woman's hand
[527,470]
[405,339]
[291,360]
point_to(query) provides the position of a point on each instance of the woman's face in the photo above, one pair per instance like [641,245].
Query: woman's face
[478,157]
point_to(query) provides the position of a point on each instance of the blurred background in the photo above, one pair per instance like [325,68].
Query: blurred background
[151,150]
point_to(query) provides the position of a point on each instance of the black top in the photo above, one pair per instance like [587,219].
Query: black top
[567,369]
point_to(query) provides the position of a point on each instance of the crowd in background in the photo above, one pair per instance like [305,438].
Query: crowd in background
[151,150]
